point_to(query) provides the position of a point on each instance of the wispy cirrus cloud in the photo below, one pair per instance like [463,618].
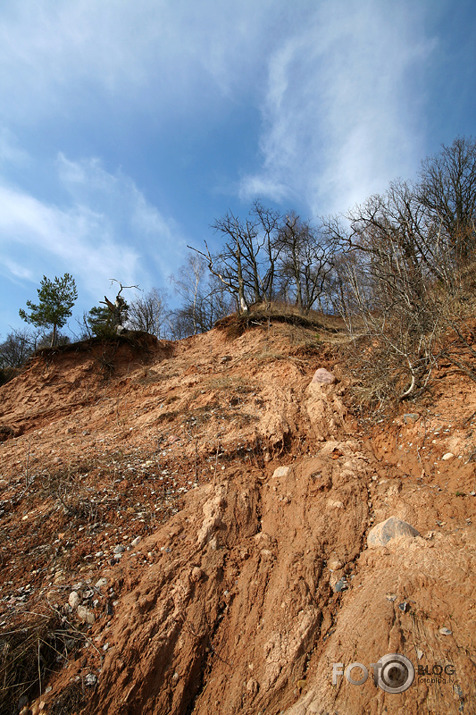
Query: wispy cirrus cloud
[104,229]
[343,109]
[121,123]
[56,55]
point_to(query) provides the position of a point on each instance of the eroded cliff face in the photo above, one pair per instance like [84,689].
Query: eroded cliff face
[259,582]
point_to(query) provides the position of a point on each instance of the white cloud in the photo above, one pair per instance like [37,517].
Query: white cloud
[105,230]
[17,270]
[10,151]
[339,85]
[341,112]
[150,52]
[73,239]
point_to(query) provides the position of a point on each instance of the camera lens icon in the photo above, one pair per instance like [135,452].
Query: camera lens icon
[394,673]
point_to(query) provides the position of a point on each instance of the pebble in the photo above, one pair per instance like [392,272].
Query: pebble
[447,456]
[281,472]
[119,549]
[341,585]
[74,599]
[135,541]
[197,574]
[90,680]
[85,615]
[445,631]
[101,583]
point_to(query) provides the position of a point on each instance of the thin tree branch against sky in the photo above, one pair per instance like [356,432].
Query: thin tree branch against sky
[126,129]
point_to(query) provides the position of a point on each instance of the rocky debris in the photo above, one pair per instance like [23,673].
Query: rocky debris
[391,528]
[341,585]
[74,599]
[236,601]
[447,456]
[281,472]
[326,412]
[323,377]
[445,632]
[85,615]
[197,574]
[213,511]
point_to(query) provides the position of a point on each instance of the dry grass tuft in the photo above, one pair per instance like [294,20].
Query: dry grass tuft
[38,645]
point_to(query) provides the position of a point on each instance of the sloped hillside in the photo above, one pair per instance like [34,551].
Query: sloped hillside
[184,530]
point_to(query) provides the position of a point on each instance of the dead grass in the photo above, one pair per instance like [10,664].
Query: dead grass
[30,652]
[229,383]
[262,316]
[70,494]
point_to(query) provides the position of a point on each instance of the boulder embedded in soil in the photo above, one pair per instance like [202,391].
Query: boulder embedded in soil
[323,377]
[391,528]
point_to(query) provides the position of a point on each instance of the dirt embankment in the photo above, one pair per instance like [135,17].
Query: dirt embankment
[259,585]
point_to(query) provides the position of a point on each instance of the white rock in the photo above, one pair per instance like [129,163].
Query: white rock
[390,529]
[74,599]
[447,456]
[91,679]
[101,583]
[135,541]
[332,504]
[85,615]
[281,472]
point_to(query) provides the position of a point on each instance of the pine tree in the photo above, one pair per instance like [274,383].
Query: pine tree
[56,299]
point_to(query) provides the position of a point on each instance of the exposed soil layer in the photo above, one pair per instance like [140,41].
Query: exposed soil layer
[209,506]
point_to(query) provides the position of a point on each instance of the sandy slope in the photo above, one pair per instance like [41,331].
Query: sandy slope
[245,587]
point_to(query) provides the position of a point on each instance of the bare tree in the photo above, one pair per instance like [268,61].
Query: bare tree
[306,260]
[149,313]
[118,311]
[447,190]
[228,265]
[246,262]
[268,223]
[404,275]
[204,299]
[18,346]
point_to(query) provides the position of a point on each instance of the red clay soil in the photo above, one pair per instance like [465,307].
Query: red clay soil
[141,508]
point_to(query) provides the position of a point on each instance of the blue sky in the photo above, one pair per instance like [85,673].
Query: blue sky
[126,128]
